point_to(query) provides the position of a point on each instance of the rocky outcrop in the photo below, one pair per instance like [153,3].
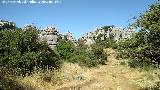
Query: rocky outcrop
[70,37]
[102,33]
[50,35]
[7,25]
[29,27]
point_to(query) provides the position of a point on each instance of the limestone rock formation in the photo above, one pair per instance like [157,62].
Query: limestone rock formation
[6,25]
[102,33]
[50,35]
[69,37]
[29,27]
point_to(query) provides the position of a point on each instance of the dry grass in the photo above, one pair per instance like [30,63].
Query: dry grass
[107,77]
[66,77]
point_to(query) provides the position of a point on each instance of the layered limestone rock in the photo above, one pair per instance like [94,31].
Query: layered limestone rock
[29,27]
[117,34]
[69,37]
[50,35]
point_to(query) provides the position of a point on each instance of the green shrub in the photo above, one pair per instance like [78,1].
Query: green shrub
[139,50]
[98,54]
[106,43]
[122,63]
[83,55]
[144,48]
[65,49]
[22,51]
[141,64]
[83,60]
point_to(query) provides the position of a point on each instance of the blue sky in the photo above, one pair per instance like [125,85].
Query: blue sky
[77,16]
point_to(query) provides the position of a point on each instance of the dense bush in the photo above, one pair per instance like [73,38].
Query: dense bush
[107,42]
[83,60]
[144,48]
[98,54]
[22,51]
[83,55]
[65,49]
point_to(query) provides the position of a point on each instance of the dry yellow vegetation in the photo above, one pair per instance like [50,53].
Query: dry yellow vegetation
[111,76]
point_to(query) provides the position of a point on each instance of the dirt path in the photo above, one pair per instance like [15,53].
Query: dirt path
[107,77]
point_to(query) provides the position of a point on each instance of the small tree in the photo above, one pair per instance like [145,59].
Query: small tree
[144,47]
[22,51]
[65,49]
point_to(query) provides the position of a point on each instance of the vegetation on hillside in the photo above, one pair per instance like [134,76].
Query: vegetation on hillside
[22,53]
[143,49]
[83,55]
[106,42]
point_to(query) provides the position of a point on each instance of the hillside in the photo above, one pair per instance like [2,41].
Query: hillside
[108,58]
[111,76]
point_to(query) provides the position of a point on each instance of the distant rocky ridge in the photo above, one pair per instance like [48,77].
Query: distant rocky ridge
[102,33]
[6,24]
[52,36]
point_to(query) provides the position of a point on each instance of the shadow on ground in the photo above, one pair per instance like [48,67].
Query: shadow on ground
[7,83]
